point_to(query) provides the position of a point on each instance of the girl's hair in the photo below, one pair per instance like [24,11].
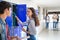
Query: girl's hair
[34,16]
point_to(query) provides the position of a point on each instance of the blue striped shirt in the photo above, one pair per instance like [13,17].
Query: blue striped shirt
[3,29]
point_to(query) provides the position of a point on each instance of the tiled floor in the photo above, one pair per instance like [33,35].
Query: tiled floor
[49,35]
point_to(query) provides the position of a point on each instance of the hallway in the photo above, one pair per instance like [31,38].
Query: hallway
[49,35]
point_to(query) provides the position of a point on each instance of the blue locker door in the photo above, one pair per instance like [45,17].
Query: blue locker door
[21,12]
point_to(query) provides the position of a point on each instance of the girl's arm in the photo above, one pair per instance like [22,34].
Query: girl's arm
[22,24]
[25,31]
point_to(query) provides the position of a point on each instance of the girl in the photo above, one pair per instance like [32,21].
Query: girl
[32,23]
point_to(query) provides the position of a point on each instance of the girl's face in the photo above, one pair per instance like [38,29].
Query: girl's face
[29,13]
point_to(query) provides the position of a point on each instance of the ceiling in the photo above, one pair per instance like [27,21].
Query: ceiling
[49,3]
[43,3]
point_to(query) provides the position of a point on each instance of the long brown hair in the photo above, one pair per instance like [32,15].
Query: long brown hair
[34,16]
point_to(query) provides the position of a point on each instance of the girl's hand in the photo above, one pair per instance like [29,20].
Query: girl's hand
[28,32]
[25,31]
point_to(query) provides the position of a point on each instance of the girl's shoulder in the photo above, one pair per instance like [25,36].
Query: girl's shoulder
[32,20]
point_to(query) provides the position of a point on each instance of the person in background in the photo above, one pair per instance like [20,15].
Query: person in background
[55,17]
[4,12]
[47,19]
[32,23]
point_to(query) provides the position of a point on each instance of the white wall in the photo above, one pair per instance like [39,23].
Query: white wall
[42,22]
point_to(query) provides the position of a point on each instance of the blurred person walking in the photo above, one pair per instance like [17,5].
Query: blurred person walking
[47,20]
[55,17]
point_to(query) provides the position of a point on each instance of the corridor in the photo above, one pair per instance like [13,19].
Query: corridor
[49,35]
[29,16]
